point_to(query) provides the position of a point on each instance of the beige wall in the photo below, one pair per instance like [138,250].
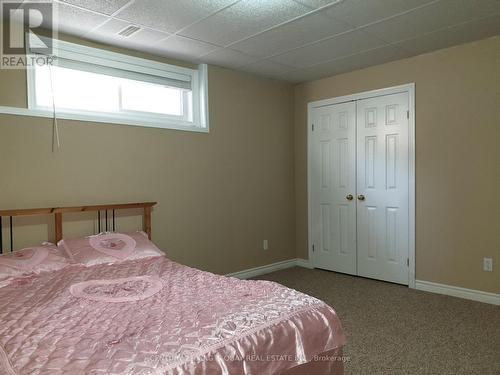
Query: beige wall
[457,157]
[219,194]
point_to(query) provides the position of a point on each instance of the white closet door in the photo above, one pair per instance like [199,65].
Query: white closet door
[333,182]
[382,187]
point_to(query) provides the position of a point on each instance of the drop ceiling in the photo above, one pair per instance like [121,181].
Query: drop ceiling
[292,40]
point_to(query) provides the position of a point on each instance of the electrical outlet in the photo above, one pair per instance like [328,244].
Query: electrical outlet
[265,245]
[487,264]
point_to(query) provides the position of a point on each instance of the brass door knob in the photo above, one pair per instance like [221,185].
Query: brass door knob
[349,197]
[361,197]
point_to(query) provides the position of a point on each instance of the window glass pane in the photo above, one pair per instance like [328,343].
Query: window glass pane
[91,84]
[147,97]
[80,90]
[43,90]
[74,89]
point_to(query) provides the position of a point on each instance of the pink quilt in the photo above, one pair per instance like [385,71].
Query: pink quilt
[155,316]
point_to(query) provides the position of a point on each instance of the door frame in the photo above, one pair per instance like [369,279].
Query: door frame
[406,88]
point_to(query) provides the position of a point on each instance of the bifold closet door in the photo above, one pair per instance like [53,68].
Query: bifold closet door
[333,183]
[382,188]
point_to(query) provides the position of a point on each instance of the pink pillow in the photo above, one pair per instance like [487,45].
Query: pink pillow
[110,248]
[31,260]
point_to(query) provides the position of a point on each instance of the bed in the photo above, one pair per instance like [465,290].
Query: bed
[152,315]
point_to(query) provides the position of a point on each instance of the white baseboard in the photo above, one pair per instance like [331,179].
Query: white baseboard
[305,263]
[426,286]
[268,268]
[455,291]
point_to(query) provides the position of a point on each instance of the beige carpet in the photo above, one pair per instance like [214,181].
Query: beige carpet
[391,329]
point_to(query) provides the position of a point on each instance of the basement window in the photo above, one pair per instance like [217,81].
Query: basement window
[91,84]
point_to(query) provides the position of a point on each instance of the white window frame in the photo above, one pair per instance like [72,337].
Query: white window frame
[100,57]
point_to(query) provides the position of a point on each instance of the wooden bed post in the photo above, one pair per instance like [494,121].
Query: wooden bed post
[147,221]
[58,228]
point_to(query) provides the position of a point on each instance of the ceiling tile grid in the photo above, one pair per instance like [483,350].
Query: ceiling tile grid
[432,17]
[170,15]
[267,68]
[243,19]
[230,58]
[362,12]
[458,34]
[293,40]
[345,44]
[292,35]
[180,47]
[374,56]
[107,7]
[108,33]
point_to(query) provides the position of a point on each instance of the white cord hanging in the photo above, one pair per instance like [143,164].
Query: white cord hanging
[55,127]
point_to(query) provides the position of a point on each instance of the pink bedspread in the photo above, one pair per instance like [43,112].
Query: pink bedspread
[175,320]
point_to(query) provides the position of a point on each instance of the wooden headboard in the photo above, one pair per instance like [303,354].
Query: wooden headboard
[59,211]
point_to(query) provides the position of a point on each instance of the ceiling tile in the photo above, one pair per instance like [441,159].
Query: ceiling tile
[107,7]
[341,45]
[312,46]
[299,75]
[184,48]
[463,33]
[317,3]
[228,58]
[108,33]
[291,35]
[170,15]
[362,12]
[362,60]
[244,19]
[267,68]
[76,21]
[432,17]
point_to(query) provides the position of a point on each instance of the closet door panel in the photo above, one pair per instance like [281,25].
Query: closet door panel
[333,179]
[382,188]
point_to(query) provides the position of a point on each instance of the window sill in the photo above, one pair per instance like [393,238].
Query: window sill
[109,119]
